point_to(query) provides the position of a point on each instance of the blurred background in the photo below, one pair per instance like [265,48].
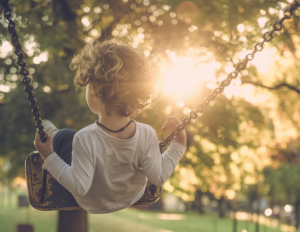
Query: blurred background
[241,169]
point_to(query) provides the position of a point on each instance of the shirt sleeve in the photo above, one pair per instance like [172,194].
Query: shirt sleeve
[76,178]
[158,168]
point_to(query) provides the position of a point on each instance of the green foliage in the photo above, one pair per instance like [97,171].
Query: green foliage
[283,183]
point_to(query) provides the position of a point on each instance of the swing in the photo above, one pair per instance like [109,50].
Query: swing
[45,193]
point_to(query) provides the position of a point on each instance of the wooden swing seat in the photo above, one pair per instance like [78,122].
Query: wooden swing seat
[56,197]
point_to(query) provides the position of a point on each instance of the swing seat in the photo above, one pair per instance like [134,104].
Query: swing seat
[55,196]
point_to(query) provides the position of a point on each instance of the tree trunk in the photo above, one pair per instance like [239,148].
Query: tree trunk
[72,221]
[221,207]
[257,220]
[198,202]
[257,213]
[251,210]
[297,213]
[234,226]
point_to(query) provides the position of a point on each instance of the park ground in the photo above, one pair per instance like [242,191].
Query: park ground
[130,220]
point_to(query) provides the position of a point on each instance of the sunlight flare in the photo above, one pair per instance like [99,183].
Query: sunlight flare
[180,80]
[184,76]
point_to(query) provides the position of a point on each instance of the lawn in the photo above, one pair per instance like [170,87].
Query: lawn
[129,220]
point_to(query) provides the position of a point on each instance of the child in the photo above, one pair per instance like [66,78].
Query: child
[106,164]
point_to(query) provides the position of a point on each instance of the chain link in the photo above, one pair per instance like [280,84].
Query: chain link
[23,71]
[267,37]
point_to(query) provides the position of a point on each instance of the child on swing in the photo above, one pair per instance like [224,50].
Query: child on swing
[106,164]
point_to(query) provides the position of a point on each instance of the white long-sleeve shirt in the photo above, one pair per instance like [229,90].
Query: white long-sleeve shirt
[109,174]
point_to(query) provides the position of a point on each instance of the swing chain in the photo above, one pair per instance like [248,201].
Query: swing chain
[267,37]
[23,71]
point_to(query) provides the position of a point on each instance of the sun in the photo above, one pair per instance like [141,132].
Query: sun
[180,80]
[184,77]
[181,76]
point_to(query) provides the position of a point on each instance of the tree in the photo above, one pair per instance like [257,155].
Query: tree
[282,179]
[208,32]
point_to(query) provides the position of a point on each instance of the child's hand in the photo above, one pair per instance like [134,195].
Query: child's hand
[171,124]
[45,149]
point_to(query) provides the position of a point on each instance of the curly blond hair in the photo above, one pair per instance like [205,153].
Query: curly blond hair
[117,75]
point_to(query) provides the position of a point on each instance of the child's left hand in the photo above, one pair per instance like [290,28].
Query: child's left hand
[45,149]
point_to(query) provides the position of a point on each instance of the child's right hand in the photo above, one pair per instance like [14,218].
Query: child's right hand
[171,124]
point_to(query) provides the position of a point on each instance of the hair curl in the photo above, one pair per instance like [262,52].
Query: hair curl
[117,75]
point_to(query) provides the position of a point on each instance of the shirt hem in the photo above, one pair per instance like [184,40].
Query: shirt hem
[117,209]
[104,212]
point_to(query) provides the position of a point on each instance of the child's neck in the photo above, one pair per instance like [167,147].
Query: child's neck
[113,121]
[116,122]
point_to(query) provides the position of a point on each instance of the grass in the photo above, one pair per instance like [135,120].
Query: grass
[128,220]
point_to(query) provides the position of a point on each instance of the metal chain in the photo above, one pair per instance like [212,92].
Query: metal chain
[267,37]
[23,71]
